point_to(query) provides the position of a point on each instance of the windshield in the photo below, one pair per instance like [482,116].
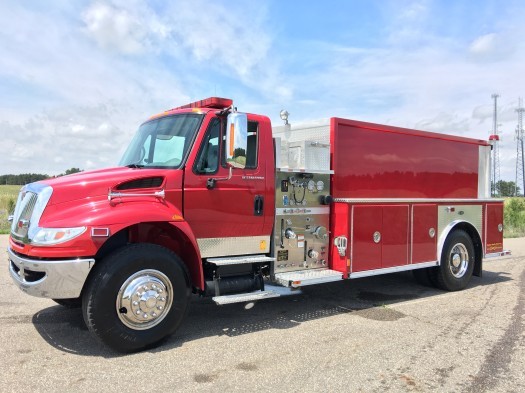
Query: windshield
[162,143]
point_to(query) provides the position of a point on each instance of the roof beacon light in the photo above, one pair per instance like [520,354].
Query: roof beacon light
[284,116]
[211,102]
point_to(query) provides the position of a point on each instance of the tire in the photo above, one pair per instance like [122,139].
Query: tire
[457,262]
[70,303]
[143,279]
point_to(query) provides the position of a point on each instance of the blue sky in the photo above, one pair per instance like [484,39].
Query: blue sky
[77,78]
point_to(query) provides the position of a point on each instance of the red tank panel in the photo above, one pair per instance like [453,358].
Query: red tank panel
[376,161]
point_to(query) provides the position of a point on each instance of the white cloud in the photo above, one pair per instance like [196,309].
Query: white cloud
[82,76]
[491,47]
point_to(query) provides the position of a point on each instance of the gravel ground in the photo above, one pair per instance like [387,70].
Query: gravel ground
[374,334]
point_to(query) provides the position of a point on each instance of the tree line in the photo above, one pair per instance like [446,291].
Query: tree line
[25,178]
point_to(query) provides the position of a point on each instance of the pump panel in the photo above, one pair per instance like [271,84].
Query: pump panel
[301,221]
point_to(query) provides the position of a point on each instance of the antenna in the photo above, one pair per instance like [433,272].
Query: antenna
[494,139]
[520,166]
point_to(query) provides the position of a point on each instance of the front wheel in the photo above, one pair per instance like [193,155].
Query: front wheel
[457,262]
[137,296]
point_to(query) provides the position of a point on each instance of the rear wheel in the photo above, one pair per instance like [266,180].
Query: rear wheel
[137,296]
[457,262]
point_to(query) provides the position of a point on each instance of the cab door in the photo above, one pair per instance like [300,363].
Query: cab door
[227,216]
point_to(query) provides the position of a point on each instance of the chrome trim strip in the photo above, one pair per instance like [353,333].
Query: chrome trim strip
[497,254]
[63,279]
[484,172]
[448,219]
[351,243]
[302,210]
[317,171]
[226,246]
[414,200]
[394,269]
[411,259]
[114,194]
[484,230]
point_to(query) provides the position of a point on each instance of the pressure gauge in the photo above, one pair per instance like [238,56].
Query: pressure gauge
[311,185]
[320,185]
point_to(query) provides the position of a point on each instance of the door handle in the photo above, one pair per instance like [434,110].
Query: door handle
[258,205]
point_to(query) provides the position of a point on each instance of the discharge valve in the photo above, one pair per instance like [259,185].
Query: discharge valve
[289,233]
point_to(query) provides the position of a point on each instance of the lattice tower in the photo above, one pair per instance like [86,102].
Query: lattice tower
[520,165]
[495,147]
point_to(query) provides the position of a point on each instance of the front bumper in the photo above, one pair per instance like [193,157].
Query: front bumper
[59,279]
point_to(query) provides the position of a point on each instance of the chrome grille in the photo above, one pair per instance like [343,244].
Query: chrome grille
[22,217]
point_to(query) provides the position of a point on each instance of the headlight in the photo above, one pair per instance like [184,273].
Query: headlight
[51,236]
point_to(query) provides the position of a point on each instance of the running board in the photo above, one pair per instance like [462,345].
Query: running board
[245,259]
[307,277]
[244,297]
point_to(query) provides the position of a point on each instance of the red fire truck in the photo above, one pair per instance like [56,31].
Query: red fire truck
[211,201]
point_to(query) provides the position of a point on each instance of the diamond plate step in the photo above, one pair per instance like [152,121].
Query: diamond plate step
[244,297]
[240,260]
[302,278]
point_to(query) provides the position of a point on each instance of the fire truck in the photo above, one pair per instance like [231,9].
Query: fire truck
[210,201]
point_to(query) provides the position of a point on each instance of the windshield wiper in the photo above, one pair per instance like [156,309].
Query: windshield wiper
[135,166]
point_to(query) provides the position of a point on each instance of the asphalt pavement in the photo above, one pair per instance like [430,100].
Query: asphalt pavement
[377,334]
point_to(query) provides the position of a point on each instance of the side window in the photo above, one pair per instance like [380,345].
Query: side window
[208,158]
[252,148]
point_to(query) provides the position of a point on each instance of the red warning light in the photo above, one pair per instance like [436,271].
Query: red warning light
[211,102]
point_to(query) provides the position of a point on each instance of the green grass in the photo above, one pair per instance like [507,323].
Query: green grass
[8,196]
[514,217]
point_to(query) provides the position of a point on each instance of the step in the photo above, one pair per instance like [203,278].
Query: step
[302,278]
[244,297]
[243,259]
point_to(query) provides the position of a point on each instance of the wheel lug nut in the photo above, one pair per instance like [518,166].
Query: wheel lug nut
[145,315]
[153,315]
[160,307]
[135,303]
[160,290]
[163,299]
[153,286]
[138,312]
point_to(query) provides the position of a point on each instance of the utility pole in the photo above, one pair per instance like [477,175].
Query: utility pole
[494,139]
[520,166]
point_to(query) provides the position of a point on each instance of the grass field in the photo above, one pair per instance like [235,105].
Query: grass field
[514,217]
[8,195]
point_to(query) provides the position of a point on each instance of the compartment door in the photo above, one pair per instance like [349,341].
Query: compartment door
[366,253]
[424,246]
[494,237]
[394,237]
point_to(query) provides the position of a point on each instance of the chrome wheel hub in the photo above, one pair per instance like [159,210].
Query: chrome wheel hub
[144,299]
[458,260]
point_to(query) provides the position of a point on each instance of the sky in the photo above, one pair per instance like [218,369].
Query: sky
[77,78]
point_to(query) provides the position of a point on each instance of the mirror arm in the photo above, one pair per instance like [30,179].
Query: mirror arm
[210,183]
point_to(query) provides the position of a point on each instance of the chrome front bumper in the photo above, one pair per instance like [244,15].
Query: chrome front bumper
[60,279]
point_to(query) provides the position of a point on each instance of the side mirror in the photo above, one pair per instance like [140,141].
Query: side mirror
[236,140]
